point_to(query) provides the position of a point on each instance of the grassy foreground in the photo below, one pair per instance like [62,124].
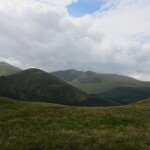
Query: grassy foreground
[41,126]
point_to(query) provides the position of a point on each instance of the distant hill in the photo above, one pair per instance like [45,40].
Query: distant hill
[68,75]
[116,89]
[93,83]
[37,85]
[7,69]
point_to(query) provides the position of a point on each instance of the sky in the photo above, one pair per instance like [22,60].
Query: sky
[83,7]
[105,36]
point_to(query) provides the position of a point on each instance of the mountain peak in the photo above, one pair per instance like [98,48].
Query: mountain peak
[90,72]
[7,69]
[68,75]
[4,63]
[33,70]
[72,70]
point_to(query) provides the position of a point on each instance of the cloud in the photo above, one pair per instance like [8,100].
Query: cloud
[115,39]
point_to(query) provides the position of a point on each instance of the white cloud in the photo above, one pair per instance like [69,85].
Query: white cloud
[41,33]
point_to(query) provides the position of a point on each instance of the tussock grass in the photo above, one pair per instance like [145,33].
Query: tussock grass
[41,126]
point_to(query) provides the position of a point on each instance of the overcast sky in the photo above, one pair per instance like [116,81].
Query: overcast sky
[105,36]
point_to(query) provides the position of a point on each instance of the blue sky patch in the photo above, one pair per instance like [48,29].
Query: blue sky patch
[83,7]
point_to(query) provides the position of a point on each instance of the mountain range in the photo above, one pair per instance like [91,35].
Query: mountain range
[71,87]
[117,88]
[94,83]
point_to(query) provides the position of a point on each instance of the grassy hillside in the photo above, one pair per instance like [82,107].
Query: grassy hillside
[44,126]
[7,69]
[37,85]
[94,83]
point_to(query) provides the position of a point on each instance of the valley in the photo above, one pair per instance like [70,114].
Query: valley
[40,110]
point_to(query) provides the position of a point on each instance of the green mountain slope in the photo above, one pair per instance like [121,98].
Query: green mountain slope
[44,126]
[7,69]
[94,83]
[126,95]
[37,85]
[68,75]
[116,89]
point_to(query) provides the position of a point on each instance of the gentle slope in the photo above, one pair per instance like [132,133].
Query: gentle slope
[26,125]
